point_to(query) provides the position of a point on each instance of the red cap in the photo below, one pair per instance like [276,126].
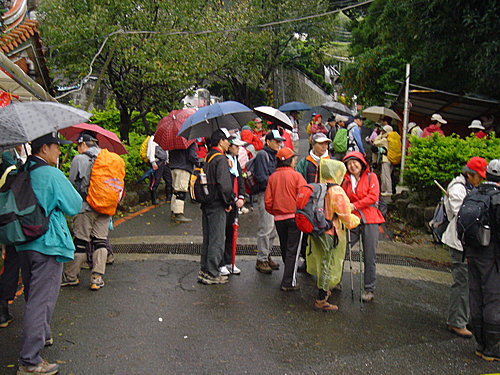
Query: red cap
[317,117]
[285,153]
[478,165]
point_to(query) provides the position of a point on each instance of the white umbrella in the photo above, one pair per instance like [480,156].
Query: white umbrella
[274,115]
[337,107]
[375,113]
[24,122]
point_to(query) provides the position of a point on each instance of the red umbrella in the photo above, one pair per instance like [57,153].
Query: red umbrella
[168,127]
[107,139]
[235,237]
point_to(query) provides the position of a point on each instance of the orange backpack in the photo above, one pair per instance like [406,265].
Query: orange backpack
[106,182]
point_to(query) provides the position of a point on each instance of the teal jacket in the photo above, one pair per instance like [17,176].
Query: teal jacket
[57,196]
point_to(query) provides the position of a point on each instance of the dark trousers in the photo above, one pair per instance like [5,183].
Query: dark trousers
[289,236]
[228,246]
[164,172]
[369,235]
[213,221]
[41,278]
[484,295]
[10,274]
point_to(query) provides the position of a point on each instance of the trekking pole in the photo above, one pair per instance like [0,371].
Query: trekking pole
[296,265]
[361,278]
[350,262]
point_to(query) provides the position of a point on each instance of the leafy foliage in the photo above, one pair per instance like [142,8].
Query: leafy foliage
[442,158]
[452,46]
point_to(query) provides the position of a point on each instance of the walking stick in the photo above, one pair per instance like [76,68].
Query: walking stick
[361,277]
[350,262]
[296,265]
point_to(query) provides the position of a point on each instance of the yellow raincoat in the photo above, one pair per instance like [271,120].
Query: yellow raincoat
[324,260]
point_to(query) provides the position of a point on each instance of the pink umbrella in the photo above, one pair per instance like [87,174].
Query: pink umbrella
[168,127]
[107,139]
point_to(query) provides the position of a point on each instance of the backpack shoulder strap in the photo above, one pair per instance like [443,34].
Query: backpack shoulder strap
[212,157]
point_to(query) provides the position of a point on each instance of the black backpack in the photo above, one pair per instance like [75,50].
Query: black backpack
[199,185]
[473,219]
[22,219]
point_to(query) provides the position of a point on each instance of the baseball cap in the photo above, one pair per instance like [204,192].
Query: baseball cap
[285,153]
[439,118]
[476,124]
[48,139]
[320,138]
[85,137]
[274,134]
[478,165]
[219,134]
[234,140]
[387,128]
[257,119]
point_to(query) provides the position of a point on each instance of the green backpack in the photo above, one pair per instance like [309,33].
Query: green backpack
[339,143]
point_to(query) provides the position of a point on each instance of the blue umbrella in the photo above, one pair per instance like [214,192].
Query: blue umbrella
[229,115]
[294,106]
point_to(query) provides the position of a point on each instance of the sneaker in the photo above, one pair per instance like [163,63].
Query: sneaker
[462,332]
[201,275]
[49,342]
[263,267]
[234,271]
[367,296]
[243,210]
[43,367]
[224,271]
[180,218]
[274,266]
[290,288]
[210,280]
[66,282]
[96,282]
[110,259]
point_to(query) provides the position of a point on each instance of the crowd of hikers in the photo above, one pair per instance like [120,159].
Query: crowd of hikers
[318,207]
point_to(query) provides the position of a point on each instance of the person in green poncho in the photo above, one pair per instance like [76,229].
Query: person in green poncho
[327,253]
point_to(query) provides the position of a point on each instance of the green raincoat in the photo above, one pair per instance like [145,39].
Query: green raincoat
[324,260]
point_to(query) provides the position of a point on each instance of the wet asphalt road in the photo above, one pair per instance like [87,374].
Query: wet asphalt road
[247,326]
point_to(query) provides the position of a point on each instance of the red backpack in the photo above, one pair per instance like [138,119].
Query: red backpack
[310,212]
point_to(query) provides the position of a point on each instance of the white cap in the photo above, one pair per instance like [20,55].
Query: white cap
[476,124]
[437,117]
[387,128]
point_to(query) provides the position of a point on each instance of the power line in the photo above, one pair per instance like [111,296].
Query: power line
[205,32]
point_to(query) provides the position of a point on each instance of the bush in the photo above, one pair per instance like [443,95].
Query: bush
[442,158]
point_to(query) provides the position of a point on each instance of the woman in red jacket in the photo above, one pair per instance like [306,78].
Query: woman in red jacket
[280,201]
[363,190]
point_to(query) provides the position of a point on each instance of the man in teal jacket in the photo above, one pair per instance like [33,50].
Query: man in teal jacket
[41,259]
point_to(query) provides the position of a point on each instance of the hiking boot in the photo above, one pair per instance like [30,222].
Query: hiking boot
[234,271]
[462,332]
[43,367]
[367,296]
[323,305]
[86,266]
[67,282]
[263,266]
[224,271]
[210,280]
[49,342]
[180,218]
[5,317]
[96,282]
[274,266]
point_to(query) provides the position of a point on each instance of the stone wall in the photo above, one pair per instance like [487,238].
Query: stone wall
[291,85]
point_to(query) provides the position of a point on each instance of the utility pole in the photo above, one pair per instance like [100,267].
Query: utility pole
[405,122]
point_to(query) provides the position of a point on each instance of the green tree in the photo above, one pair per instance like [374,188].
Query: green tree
[452,46]
[147,71]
